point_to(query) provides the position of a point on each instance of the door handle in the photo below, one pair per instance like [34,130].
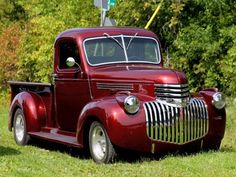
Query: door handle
[55,75]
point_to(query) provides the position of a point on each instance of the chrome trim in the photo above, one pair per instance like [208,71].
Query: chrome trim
[19,128]
[172,85]
[115,86]
[90,88]
[124,48]
[176,125]
[131,104]
[101,37]
[98,142]
[218,100]
[172,90]
[173,94]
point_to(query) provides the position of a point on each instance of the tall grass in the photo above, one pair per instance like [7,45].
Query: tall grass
[42,160]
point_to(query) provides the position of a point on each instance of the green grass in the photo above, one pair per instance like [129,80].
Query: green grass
[37,161]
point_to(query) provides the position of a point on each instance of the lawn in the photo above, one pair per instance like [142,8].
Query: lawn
[46,161]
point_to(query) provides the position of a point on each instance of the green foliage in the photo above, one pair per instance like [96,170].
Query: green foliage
[228,64]
[201,47]
[198,54]
[9,42]
[36,50]
[38,23]
[137,13]
[199,34]
[46,20]
[11,11]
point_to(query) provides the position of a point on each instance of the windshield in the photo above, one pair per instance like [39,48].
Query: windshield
[121,49]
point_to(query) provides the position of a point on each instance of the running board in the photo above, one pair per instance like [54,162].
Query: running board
[57,137]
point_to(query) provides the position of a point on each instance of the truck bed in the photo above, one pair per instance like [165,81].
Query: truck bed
[36,87]
[43,90]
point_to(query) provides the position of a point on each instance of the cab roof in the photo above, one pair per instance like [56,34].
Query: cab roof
[99,31]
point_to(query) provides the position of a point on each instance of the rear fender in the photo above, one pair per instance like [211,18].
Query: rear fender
[33,109]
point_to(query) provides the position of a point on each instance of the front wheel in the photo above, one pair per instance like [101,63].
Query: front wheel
[20,134]
[100,146]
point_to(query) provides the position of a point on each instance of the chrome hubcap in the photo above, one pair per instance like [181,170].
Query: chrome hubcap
[98,142]
[19,127]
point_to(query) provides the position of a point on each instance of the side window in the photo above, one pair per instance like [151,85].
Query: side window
[67,49]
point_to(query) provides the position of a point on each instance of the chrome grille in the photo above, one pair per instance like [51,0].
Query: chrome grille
[175,94]
[176,125]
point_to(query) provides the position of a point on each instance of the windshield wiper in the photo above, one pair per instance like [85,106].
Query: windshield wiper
[108,36]
[131,40]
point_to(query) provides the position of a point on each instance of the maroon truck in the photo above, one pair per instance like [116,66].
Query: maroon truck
[110,91]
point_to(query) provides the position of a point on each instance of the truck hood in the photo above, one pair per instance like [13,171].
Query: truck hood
[153,74]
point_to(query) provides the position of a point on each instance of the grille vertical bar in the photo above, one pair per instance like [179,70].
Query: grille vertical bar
[176,125]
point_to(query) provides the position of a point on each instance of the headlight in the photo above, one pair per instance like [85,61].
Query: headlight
[218,100]
[131,104]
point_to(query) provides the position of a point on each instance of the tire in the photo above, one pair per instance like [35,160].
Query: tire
[100,146]
[19,128]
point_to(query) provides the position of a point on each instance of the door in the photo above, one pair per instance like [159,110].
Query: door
[71,88]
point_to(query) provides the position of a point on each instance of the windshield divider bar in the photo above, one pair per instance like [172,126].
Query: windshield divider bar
[124,48]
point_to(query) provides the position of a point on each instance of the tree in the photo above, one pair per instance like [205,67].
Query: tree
[10,12]
[46,20]
[12,16]
[199,35]
[9,42]
[203,43]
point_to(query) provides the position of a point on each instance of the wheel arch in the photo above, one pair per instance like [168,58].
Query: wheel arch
[33,108]
[110,113]
[94,111]
[87,124]
[11,116]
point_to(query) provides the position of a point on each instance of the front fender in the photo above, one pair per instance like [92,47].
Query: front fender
[33,109]
[100,110]
[217,118]
[119,125]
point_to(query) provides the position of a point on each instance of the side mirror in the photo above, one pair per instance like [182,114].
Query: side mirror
[70,62]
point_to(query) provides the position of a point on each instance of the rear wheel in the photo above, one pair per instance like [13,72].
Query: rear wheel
[19,124]
[100,146]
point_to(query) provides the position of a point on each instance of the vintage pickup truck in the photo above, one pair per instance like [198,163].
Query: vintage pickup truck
[110,91]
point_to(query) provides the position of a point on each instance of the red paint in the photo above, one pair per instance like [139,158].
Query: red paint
[65,108]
